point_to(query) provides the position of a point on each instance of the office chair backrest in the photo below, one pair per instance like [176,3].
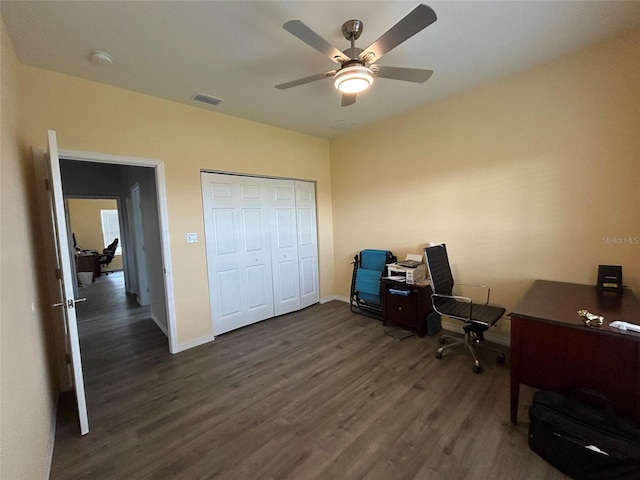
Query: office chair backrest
[110,251]
[439,269]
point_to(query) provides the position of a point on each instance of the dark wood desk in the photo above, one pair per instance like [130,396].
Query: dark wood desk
[88,262]
[409,311]
[552,349]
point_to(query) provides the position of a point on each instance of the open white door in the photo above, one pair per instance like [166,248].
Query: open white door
[65,304]
[137,234]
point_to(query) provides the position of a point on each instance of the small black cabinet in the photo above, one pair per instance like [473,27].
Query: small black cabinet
[406,310]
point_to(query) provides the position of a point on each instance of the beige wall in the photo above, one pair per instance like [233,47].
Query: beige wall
[86,223]
[27,394]
[525,178]
[89,116]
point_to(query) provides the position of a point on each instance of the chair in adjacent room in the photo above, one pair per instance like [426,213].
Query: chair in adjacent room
[368,268]
[108,254]
[477,317]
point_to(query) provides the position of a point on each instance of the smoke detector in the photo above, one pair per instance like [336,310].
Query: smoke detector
[100,58]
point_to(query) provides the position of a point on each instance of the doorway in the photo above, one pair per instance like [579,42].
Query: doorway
[135,190]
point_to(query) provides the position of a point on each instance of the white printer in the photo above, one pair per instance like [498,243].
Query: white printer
[411,269]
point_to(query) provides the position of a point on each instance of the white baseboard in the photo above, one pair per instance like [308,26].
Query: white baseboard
[328,299]
[162,327]
[196,342]
[341,299]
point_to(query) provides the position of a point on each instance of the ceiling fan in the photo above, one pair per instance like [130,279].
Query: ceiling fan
[357,69]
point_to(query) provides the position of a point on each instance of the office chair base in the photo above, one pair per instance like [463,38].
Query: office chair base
[468,342]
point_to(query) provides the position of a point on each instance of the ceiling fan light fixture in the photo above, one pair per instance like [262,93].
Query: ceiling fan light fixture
[353,79]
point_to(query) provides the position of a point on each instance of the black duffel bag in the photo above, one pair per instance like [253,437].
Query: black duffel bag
[581,440]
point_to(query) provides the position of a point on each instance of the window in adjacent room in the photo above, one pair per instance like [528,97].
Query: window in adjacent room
[111,228]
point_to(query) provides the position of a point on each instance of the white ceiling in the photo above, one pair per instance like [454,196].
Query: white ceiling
[238,50]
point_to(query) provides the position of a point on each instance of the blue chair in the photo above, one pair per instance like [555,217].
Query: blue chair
[368,268]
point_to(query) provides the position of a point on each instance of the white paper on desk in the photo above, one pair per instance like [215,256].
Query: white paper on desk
[397,278]
[414,256]
[625,326]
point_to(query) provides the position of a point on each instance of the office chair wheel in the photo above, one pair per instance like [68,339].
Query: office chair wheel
[500,358]
[442,340]
[439,355]
[477,368]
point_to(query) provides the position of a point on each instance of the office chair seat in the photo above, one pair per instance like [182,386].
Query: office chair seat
[487,315]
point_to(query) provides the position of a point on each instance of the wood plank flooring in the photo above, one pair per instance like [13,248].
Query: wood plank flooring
[317,394]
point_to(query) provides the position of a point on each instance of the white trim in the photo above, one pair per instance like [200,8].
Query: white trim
[159,324]
[196,342]
[163,214]
[163,217]
[330,298]
[107,158]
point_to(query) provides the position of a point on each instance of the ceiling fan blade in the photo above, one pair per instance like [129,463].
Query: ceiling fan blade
[309,79]
[416,75]
[419,18]
[348,99]
[311,38]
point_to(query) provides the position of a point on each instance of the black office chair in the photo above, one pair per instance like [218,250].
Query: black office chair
[477,318]
[107,254]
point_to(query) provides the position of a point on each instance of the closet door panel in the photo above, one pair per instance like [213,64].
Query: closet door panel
[287,273]
[307,238]
[258,291]
[229,284]
[284,247]
[238,254]
[224,231]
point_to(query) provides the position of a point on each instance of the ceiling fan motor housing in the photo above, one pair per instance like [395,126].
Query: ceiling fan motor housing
[352,29]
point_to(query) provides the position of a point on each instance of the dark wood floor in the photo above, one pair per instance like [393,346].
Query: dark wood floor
[318,394]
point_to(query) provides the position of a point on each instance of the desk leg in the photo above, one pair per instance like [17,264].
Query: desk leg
[515,368]
[515,396]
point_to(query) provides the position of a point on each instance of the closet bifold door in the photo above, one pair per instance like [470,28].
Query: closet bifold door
[284,246]
[307,243]
[262,247]
[238,250]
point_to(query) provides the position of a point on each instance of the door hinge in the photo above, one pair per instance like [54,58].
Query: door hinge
[47,184]
[67,359]
[59,273]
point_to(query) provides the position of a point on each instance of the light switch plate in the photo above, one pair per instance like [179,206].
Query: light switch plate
[192,238]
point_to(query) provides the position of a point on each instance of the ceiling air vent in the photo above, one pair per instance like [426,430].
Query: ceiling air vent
[208,99]
[342,125]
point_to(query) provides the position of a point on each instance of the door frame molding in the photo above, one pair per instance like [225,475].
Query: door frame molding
[163,218]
